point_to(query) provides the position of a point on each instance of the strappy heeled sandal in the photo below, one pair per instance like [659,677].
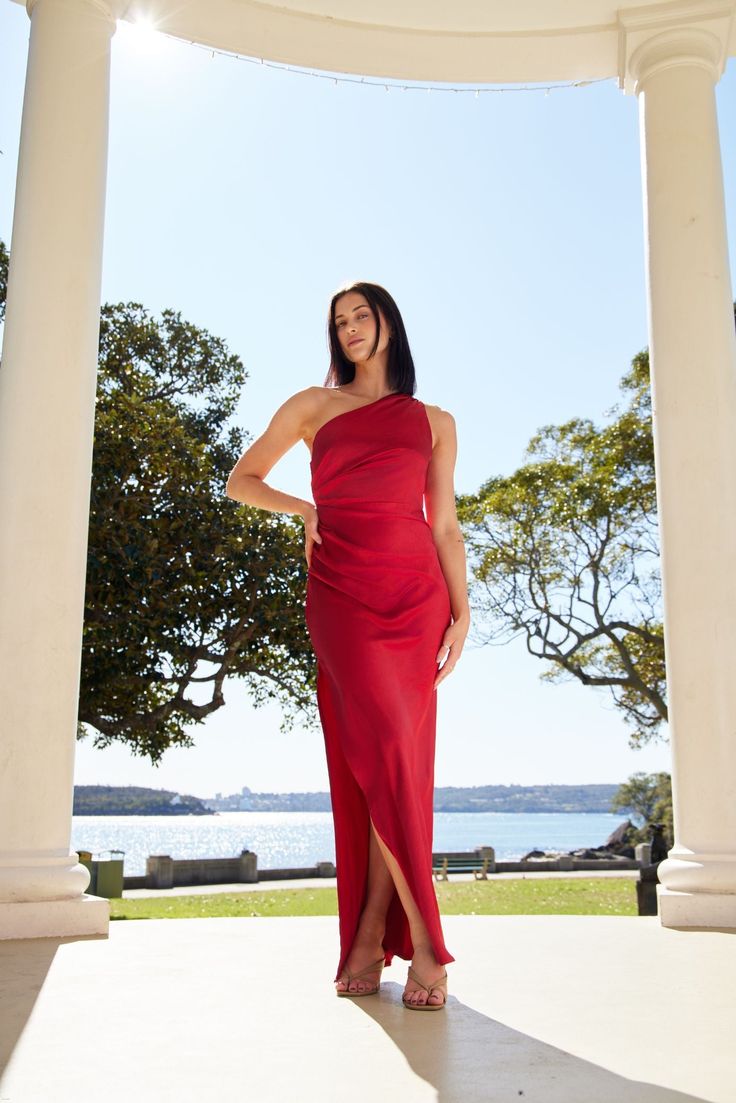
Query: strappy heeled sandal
[368,969]
[429,988]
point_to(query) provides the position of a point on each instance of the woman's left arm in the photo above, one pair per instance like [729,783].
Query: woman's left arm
[439,499]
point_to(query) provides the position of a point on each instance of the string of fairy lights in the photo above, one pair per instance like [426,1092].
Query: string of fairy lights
[389,85]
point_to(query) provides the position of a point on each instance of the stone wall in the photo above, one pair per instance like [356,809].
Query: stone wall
[163,871]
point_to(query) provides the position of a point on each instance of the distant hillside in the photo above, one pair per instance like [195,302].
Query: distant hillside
[134,800]
[525,798]
[481,798]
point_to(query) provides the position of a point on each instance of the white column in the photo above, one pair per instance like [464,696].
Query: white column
[692,354]
[47,403]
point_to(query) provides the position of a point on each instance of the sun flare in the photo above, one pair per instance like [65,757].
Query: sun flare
[141,32]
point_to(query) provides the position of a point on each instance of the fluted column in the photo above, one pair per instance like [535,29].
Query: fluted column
[47,402]
[692,351]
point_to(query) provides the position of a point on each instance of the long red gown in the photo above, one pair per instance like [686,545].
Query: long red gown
[377,606]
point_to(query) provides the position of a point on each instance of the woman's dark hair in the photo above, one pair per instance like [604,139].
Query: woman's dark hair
[401,374]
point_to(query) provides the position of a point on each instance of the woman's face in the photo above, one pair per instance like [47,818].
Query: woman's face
[356,326]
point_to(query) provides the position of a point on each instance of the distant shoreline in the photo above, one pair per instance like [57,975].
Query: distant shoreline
[130,800]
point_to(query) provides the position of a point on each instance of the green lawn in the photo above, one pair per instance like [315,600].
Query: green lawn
[545,896]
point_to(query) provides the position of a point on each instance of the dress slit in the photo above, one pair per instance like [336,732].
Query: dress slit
[353,813]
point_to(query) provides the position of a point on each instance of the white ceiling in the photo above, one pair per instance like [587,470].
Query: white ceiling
[459,41]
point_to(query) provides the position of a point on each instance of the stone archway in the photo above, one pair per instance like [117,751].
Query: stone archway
[670,55]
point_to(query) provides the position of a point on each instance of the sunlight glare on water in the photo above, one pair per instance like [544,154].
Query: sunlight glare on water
[298,839]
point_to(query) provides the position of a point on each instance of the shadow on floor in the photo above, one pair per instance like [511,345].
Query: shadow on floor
[470,1058]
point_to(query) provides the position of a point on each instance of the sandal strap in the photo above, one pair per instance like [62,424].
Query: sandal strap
[368,969]
[428,988]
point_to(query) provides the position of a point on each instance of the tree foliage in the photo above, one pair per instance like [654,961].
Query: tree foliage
[565,552]
[648,797]
[184,586]
[4,263]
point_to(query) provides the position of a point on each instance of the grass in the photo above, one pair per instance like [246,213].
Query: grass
[519,896]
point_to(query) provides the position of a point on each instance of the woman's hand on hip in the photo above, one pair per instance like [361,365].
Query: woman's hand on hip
[311,533]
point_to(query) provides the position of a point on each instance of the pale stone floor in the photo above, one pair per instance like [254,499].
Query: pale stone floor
[542,1009]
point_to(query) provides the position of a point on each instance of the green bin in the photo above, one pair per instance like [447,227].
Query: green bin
[105,875]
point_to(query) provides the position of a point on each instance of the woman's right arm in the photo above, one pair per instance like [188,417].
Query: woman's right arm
[245,482]
[286,427]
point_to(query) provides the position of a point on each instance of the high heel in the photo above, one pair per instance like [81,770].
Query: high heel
[429,988]
[368,969]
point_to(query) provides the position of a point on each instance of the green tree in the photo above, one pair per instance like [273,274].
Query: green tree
[648,798]
[184,586]
[565,552]
[4,262]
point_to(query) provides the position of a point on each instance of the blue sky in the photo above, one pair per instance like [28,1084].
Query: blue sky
[507,226]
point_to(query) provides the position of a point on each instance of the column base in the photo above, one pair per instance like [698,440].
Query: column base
[82,915]
[696,909]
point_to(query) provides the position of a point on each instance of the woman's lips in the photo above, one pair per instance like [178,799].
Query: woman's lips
[355,342]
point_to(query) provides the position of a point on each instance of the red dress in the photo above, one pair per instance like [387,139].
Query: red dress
[377,606]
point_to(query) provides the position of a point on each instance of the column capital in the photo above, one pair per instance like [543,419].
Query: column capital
[660,36]
[110,9]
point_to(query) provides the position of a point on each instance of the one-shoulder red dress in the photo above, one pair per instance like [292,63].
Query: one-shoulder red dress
[377,606]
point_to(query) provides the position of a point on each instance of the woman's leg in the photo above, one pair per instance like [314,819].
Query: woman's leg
[384,873]
[367,945]
[424,960]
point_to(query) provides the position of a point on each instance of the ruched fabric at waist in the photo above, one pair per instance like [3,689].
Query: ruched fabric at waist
[371,527]
[406,508]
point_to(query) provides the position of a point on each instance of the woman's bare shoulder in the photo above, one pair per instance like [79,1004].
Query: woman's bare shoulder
[442,422]
[312,406]
[439,416]
[308,394]
[304,404]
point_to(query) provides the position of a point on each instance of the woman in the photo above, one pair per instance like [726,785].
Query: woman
[386,602]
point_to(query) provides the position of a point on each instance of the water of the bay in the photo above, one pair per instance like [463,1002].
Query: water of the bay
[303,838]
